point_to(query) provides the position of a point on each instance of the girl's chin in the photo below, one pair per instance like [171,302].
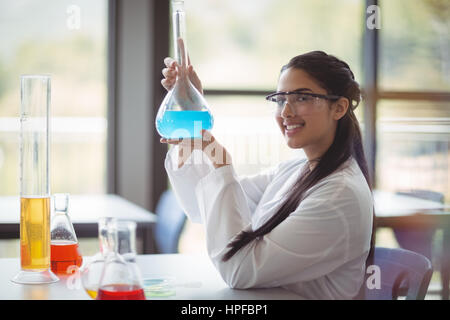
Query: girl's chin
[294,143]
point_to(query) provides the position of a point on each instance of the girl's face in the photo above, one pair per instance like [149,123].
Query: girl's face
[310,125]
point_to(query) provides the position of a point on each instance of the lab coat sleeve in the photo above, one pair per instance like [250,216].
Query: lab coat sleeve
[184,179]
[310,243]
[255,185]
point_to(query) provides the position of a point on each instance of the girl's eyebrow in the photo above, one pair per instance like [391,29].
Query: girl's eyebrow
[302,89]
[297,90]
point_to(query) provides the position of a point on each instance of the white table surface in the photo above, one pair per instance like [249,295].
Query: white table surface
[389,204]
[89,208]
[84,209]
[197,278]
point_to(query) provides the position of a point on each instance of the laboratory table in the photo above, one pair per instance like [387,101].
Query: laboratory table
[84,212]
[397,210]
[194,277]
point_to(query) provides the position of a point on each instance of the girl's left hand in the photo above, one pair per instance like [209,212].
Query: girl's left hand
[218,155]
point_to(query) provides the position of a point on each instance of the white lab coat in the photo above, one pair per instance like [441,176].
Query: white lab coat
[319,251]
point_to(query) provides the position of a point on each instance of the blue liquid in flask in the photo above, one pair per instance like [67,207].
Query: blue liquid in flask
[184,124]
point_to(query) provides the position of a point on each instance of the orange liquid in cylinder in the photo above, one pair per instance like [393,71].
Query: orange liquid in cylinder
[35,233]
[63,255]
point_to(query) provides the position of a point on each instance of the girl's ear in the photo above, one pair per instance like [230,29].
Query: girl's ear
[340,108]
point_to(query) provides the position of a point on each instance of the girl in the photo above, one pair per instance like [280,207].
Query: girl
[305,225]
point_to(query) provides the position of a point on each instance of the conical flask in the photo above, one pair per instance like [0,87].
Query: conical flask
[65,254]
[120,279]
[92,271]
[184,112]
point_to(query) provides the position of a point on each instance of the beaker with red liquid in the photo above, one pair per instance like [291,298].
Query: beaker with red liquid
[121,292]
[65,255]
[121,278]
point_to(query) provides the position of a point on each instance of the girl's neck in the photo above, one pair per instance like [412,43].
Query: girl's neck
[315,151]
[314,156]
[313,163]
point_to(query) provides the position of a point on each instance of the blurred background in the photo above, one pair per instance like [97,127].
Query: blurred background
[105,59]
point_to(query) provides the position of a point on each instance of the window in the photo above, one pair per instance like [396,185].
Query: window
[413,113]
[414,140]
[238,49]
[414,46]
[66,39]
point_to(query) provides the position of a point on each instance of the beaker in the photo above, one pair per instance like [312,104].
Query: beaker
[120,280]
[63,240]
[126,239]
[184,112]
[92,271]
[34,181]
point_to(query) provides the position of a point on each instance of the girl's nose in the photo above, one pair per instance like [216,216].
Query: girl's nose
[287,111]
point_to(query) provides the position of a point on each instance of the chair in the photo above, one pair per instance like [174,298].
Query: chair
[171,220]
[400,266]
[420,240]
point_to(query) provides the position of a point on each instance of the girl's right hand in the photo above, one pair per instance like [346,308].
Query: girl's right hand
[171,71]
[218,155]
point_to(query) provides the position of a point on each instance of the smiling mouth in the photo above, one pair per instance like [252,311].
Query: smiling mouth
[294,126]
[292,129]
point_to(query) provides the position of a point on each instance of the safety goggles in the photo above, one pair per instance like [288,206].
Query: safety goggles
[298,99]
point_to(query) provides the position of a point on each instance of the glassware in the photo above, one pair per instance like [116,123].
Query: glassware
[159,286]
[64,243]
[34,181]
[120,280]
[126,239]
[92,271]
[184,112]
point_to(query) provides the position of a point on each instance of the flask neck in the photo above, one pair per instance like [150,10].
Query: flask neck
[105,246]
[179,32]
[61,213]
[121,238]
[103,234]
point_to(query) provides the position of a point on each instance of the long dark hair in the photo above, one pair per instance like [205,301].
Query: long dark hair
[336,78]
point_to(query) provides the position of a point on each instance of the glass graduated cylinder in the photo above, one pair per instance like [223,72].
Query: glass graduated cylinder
[35,92]
[35,233]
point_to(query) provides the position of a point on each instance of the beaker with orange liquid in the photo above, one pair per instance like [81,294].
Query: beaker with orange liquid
[34,181]
[64,244]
